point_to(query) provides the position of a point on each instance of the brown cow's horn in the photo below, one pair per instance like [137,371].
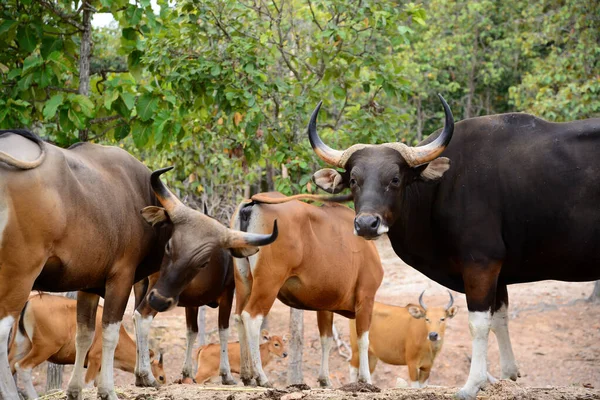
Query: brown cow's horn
[326,153]
[421,302]
[451,301]
[424,154]
[238,239]
[168,200]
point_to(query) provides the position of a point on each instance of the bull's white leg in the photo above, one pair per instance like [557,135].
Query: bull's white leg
[364,375]
[24,375]
[507,357]
[83,342]
[353,373]
[252,327]
[8,388]
[143,371]
[415,384]
[245,366]
[188,363]
[224,368]
[110,338]
[326,342]
[479,324]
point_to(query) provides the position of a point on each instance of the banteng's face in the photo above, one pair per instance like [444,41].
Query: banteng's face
[158,371]
[276,343]
[435,317]
[378,175]
[195,238]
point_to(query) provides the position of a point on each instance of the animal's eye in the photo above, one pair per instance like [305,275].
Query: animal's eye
[162,378]
[442,319]
[427,320]
[352,182]
[395,181]
[168,248]
[276,344]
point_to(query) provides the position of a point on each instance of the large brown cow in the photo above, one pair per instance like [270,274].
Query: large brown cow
[70,220]
[411,336]
[213,286]
[46,331]
[316,264]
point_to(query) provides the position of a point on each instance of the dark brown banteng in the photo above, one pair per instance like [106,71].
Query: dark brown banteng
[315,264]
[411,336]
[513,200]
[70,220]
[46,332]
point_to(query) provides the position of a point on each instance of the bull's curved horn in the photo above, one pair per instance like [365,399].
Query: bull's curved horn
[239,239]
[205,208]
[424,154]
[421,302]
[168,200]
[325,153]
[451,302]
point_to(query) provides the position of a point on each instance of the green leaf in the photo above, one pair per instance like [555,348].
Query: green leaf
[27,38]
[76,118]
[52,105]
[65,123]
[50,44]
[32,61]
[109,97]
[134,14]
[7,25]
[128,99]
[87,107]
[122,131]
[146,106]
[141,133]
[45,77]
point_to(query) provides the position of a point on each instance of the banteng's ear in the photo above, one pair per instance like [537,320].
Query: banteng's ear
[286,338]
[452,311]
[160,359]
[415,311]
[265,334]
[329,180]
[243,252]
[151,354]
[436,169]
[155,215]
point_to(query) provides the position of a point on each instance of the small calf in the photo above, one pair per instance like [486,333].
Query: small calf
[411,335]
[45,331]
[209,355]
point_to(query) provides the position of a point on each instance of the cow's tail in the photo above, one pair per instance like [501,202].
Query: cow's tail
[266,199]
[10,160]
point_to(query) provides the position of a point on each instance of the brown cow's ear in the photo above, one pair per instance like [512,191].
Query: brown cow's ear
[243,252]
[436,169]
[155,215]
[329,180]
[286,338]
[151,354]
[265,334]
[452,311]
[415,311]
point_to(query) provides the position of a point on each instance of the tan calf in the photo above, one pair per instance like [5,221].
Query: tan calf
[209,355]
[411,335]
[46,332]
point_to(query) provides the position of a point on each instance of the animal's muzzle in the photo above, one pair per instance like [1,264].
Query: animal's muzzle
[434,336]
[369,226]
[284,355]
[159,302]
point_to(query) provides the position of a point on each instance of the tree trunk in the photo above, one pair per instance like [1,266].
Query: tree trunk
[54,373]
[295,347]
[595,297]
[85,50]
[202,325]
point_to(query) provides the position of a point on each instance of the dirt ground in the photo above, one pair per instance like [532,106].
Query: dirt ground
[554,331]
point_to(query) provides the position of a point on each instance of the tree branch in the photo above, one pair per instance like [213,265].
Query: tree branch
[63,15]
[314,17]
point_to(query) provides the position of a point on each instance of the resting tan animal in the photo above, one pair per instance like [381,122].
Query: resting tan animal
[411,335]
[209,355]
[46,332]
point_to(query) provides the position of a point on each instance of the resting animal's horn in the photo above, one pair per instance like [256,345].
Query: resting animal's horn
[421,302]
[451,302]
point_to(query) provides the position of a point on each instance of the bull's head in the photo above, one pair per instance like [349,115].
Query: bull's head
[435,317]
[378,175]
[194,239]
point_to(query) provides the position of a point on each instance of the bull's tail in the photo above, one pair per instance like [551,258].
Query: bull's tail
[14,162]
[265,199]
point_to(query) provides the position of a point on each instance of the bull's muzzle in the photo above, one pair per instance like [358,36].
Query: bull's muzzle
[434,336]
[369,226]
[159,302]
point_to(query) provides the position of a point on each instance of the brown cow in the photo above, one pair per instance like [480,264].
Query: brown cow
[45,331]
[208,356]
[316,264]
[212,286]
[69,220]
[411,335]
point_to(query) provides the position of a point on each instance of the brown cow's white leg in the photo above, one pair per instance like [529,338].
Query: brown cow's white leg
[326,342]
[143,371]
[507,357]
[24,375]
[8,388]
[479,324]
[364,375]
[224,367]
[252,328]
[110,338]
[188,363]
[353,373]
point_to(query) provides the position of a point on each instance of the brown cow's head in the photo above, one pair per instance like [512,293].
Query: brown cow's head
[435,317]
[378,175]
[157,369]
[195,237]
[276,344]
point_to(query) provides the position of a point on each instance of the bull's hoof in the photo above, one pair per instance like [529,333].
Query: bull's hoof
[325,383]
[265,383]
[464,394]
[227,379]
[74,394]
[107,395]
[248,381]
[145,380]
[511,374]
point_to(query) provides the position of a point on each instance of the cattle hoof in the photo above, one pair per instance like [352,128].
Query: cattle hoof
[108,395]
[265,384]
[228,380]
[325,383]
[512,375]
[74,394]
[146,381]
[465,395]
[248,381]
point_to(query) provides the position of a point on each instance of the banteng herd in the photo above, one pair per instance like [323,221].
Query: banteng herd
[479,205]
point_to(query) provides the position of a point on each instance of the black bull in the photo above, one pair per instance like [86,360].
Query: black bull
[514,199]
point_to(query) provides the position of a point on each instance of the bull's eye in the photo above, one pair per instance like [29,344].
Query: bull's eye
[395,181]
[352,182]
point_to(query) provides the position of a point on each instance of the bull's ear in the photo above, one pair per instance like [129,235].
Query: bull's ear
[452,311]
[329,180]
[435,169]
[155,215]
[243,252]
[415,311]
